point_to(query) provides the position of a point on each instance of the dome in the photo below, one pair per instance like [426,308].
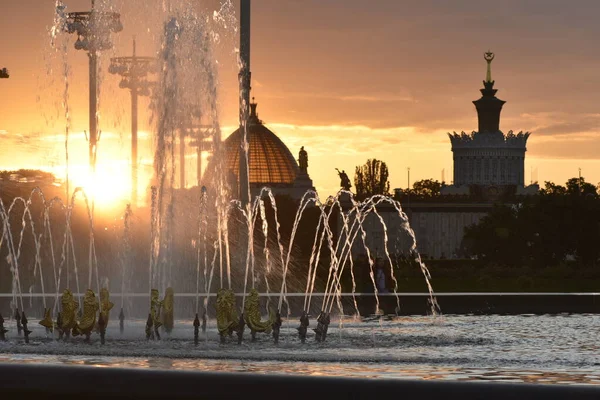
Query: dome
[270,161]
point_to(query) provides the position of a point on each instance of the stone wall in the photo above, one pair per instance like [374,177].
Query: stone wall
[438,229]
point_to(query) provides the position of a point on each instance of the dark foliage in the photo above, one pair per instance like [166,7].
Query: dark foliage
[561,222]
[371,179]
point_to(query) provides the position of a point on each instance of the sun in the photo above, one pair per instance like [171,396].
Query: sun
[110,184]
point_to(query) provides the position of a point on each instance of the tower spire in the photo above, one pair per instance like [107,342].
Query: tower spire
[488,106]
[489,57]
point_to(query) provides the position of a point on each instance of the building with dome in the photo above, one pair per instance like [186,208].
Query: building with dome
[270,162]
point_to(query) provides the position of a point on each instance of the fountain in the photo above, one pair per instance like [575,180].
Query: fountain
[224,251]
[237,252]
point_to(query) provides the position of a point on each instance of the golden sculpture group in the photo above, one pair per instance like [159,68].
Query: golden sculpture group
[68,323]
[95,314]
[228,320]
[161,313]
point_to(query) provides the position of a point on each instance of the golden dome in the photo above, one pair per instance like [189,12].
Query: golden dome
[270,161]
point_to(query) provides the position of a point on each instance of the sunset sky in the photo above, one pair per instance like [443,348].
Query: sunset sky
[347,79]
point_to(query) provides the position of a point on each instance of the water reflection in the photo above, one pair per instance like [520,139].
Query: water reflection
[532,349]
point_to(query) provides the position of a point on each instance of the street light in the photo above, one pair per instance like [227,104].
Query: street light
[201,135]
[93,29]
[134,71]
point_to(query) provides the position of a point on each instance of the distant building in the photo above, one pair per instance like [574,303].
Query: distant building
[489,161]
[489,167]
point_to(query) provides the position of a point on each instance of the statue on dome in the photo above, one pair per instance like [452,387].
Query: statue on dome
[303,160]
[344,180]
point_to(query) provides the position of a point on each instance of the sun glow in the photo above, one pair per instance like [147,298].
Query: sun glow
[110,184]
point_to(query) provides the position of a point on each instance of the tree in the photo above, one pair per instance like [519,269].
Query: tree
[371,179]
[543,230]
[427,188]
[574,186]
[550,188]
[580,186]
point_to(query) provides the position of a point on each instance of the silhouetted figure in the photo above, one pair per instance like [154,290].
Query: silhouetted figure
[319,330]
[101,327]
[344,180]
[326,321]
[303,328]
[26,331]
[149,330]
[18,319]
[303,160]
[59,324]
[4,73]
[380,279]
[240,329]
[276,327]
[2,329]
[196,329]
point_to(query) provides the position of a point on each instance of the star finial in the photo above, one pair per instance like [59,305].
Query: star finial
[489,57]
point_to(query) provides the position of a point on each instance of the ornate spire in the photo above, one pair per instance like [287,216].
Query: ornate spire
[489,106]
[489,57]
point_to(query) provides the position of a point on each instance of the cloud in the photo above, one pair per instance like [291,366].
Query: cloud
[561,123]
[579,147]
[367,97]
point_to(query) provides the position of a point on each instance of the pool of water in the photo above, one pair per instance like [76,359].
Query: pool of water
[526,348]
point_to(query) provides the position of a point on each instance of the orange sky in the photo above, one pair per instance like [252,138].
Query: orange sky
[348,79]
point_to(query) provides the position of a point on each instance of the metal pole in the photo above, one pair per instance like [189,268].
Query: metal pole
[134,145]
[93,138]
[244,184]
[182,158]
[199,152]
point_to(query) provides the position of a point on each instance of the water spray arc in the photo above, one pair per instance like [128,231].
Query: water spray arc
[186,105]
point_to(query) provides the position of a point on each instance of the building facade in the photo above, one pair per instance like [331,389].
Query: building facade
[489,166]
[488,158]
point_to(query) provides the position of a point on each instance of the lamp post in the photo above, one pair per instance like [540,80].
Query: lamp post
[201,135]
[93,29]
[134,71]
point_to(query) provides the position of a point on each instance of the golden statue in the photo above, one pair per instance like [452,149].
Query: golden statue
[252,314]
[167,310]
[155,305]
[47,321]
[88,319]
[489,57]
[106,306]
[227,317]
[69,312]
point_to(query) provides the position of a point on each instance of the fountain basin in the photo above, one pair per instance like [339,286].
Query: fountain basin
[68,382]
